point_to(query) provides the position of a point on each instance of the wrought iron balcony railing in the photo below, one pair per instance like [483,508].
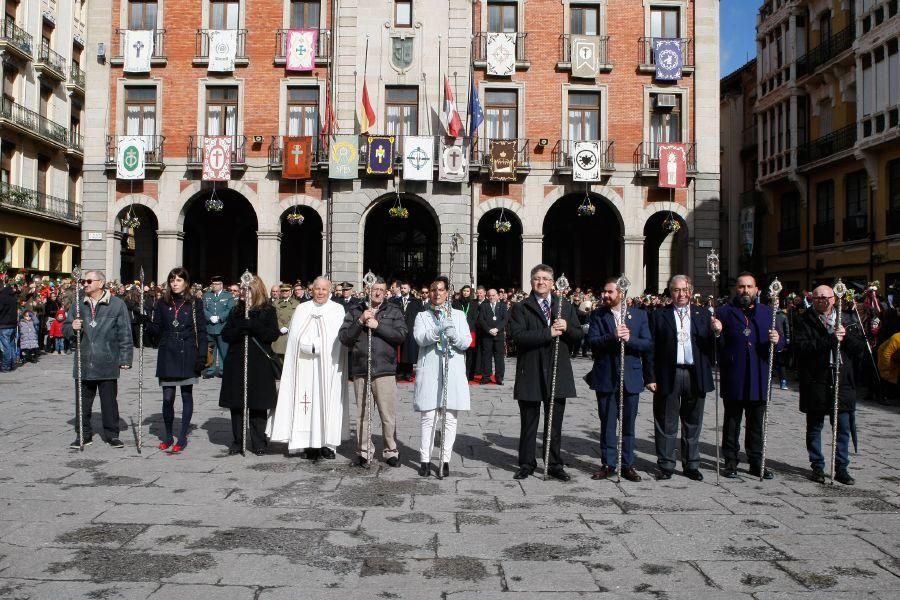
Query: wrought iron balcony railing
[76,142]
[238,145]
[201,48]
[50,62]
[646,156]
[564,151]
[481,153]
[31,201]
[789,239]
[76,76]
[647,57]
[32,122]
[276,151]
[479,48]
[159,45]
[856,227]
[827,50]
[565,50]
[323,46]
[827,145]
[16,38]
[153,150]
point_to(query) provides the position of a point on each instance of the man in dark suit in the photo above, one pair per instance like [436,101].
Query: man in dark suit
[409,349]
[606,331]
[680,377]
[491,324]
[534,325]
[746,335]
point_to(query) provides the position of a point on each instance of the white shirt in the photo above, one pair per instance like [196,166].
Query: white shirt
[684,354]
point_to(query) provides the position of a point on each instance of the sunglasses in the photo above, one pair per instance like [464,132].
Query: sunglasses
[88,281]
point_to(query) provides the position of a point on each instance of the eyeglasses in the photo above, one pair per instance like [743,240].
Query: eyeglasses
[88,281]
[542,279]
[822,298]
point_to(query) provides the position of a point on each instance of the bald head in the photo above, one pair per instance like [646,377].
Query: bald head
[823,299]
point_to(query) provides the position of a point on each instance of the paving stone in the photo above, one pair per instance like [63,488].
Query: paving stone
[847,576]
[203,592]
[825,547]
[551,576]
[749,576]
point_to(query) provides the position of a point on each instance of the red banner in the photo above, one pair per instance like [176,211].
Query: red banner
[297,158]
[672,166]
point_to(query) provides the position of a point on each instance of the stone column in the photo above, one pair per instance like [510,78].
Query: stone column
[114,255]
[634,262]
[171,251]
[268,256]
[532,254]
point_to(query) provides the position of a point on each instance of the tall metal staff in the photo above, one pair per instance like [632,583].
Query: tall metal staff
[246,280]
[562,284]
[622,284]
[140,424]
[76,273]
[774,291]
[712,269]
[839,290]
[368,280]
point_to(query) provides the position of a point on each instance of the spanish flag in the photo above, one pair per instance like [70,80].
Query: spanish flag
[366,112]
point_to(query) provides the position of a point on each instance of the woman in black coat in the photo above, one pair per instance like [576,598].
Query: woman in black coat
[260,330]
[177,321]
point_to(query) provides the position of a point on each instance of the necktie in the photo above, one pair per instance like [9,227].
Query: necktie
[546,309]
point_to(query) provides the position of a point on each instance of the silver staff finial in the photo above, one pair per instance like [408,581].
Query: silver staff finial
[369,279]
[562,284]
[775,288]
[712,264]
[840,289]
[246,279]
[623,283]
[76,272]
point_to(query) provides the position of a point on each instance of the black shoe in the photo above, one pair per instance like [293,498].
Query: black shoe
[558,473]
[523,473]
[663,475]
[261,451]
[360,462]
[499,382]
[445,470]
[605,472]
[693,474]
[327,453]
[393,461]
[310,454]
[844,477]
[630,474]
[234,449]
[424,469]
[817,475]
[76,445]
[208,375]
[730,473]
[115,443]
[755,471]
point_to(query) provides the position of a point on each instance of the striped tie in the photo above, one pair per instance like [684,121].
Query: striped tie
[546,304]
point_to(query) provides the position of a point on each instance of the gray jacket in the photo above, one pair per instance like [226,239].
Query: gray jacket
[108,344]
[389,334]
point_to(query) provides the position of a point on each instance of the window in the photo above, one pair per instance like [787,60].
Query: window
[221,110]
[664,22]
[402,13]
[825,117]
[32,254]
[585,20]
[6,154]
[140,113]
[857,209]
[43,164]
[584,116]
[223,14]
[9,83]
[665,123]
[305,14]
[74,178]
[790,212]
[75,118]
[142,14]
[502,17]
[894,185]
[501,114]
[401,109]
[302,111]
[825,202]
[824,26]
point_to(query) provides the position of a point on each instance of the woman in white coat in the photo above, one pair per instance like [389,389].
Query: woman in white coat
[437,332]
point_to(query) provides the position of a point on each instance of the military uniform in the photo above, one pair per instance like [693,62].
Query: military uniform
[216,307]
[284,309]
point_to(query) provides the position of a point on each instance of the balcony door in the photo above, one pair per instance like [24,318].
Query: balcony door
[221,110]
[665,23]
[401,109]
[665,123]
[584,116]
[502,17]
[303,111]
[142,14]
[223,14]
[140,114]
[501,114]
[305,14]
[584,20]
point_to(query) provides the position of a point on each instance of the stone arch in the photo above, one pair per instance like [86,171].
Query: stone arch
[316,204]
[665,253]
[196,189]
[512,206]
[122,203]
[602,192]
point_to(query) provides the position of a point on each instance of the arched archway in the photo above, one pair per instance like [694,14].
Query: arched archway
[301,245]
[139,244]
[499,260]
[587,248]
[665,252]
[219,243]
[402,248]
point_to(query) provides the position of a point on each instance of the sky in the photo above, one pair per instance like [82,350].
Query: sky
[737,22]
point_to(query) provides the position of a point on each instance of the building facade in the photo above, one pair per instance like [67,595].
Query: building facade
[41,142]
[829,164]
[405,53]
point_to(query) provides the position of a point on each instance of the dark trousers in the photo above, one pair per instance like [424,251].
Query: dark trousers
[492,350]
[405,370]
[257,424]
[815,422]
[472,366]
[109,407]
[220,349]
[187,411]
[530,415]
[731,432]
[679,405]
[608,409]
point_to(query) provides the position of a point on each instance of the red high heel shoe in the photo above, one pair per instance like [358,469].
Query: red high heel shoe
[164,445]
[177,448]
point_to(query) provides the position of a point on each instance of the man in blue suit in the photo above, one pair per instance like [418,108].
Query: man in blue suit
[606,330]
[746,334]
[217,303]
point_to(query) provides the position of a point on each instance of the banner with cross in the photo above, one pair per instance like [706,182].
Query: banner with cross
[138,50]
[130,152]
[296,160]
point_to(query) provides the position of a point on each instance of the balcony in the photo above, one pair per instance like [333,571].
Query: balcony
[157,59]
[153,153]
[50,64]
[201,48]
[195,151]
[79,30]
[323,47]
[647,59]
[856,227]
[76,79]
[646,157]
[27,121]
[39,204]
[881,126]
[823,233]
[565,53]
[15,40]
[481,157]
[837,141]
[827,51]
[564,149]
[76,145]
[319,152]
[892,221]
[789,239]
[479,51]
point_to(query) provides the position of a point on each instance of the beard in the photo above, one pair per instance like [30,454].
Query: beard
[745,300]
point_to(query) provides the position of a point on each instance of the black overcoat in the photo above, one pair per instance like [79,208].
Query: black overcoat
[178,346]
[263,327]
[409,349]
[661,359]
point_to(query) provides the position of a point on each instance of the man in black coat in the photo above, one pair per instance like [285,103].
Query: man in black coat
[680,375]
[816,334]
[491,325]
[534,325]
[410,306]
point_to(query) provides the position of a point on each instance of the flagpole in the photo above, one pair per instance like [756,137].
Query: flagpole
[440,82]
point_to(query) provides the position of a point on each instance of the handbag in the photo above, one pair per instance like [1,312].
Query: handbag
[274,361]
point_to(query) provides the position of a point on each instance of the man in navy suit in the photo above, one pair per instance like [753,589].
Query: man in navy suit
[491,324]
[746,335]
[681,376]
[606,330]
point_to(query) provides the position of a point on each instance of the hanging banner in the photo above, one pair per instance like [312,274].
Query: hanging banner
[130,157]
[301,49]
[380,155]
[343,157]
[586,161]
[748,219]
[501,53]
[672,166]
[138,50]
[503,160]
[418,158]
[222,50]
[585,56]
[217,158]
[454,162]
[669,56]
[297,158]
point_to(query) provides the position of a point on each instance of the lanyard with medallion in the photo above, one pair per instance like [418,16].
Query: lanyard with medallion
[683,334]
[746,331]
[93,306]
[177,309]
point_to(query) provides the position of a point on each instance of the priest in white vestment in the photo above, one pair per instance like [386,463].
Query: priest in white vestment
[438,334]
[313,388]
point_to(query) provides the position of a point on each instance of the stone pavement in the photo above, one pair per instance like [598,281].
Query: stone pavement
[108,524]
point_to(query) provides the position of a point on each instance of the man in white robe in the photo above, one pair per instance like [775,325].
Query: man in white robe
[437,334]
[311,399]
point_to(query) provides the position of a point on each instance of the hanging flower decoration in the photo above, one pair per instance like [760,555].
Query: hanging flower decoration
[130,220]
[397,211]
[214,205]
[502,225]
[295,218]
[671,224]
[586,208]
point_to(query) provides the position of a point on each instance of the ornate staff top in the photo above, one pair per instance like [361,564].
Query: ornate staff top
[623,284]
[246,279]
[562,284]
[76,273]
[775,288]
[369,279]
[840,290]
[712,264]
